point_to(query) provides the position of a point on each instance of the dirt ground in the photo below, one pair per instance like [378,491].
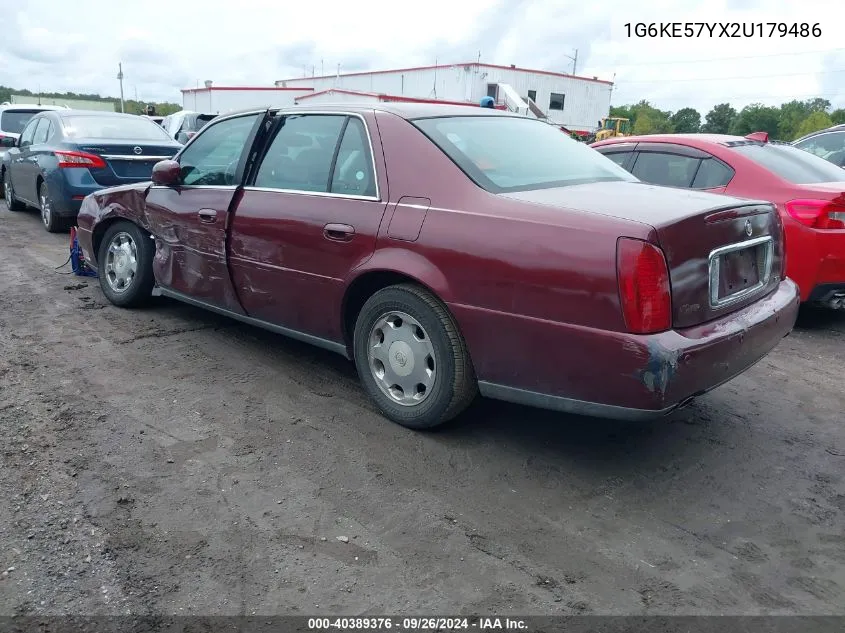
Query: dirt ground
[172,461]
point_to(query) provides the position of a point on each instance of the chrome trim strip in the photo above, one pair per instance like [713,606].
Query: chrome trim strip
[134,157]
[332,346]
[713,266]
[180,187]
[321,194]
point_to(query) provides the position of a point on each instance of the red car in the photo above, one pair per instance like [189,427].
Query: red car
[451,250]
[809,193]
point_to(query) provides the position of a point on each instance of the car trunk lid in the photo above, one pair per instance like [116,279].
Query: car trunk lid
[126,161]
[723,253]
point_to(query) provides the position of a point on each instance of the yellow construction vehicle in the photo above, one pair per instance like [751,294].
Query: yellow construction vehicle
[611,126]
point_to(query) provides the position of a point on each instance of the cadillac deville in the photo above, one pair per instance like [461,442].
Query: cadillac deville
[450,251]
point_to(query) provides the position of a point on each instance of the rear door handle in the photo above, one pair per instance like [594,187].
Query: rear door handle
[338,232]
[207,215]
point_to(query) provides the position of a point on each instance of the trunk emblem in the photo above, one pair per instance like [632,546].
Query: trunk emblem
[748,228]
[138,150]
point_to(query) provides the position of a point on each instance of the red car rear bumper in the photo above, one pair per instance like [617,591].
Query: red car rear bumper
[617,375]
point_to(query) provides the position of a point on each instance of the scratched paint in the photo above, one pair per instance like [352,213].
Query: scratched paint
[660,369]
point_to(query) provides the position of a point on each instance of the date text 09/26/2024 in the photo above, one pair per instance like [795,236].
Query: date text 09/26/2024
[722,29]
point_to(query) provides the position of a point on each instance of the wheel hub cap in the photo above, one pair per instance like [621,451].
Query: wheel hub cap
[401,358]
[121,262]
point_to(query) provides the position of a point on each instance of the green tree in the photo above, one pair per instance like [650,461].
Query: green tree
[686,121]
[720,119]
[792,114]
[644,124]
[756,117]
[818,105]
[838,116]
[816,121]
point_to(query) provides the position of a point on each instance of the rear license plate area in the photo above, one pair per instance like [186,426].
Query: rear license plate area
[132,169]
[739,270]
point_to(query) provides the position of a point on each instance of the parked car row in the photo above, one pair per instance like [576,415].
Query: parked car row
[808,191]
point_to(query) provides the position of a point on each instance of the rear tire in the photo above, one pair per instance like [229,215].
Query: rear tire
[11,202]
[125,265]
[52,222]
[411,358]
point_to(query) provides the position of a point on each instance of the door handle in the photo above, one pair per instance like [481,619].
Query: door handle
[207,215]
[338,232]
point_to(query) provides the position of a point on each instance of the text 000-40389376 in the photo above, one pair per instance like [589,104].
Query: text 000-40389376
[722,29]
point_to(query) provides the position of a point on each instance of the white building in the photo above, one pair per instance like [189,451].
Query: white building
[568,100]
[574,102]
[213,99]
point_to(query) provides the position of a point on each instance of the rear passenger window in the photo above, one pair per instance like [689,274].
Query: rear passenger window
[42,132]
[353,172]
[668,170]
[712,174]
[300,156]
[620,158]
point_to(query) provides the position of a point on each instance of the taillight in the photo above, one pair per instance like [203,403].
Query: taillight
[80,159]
[644,289]
[817,214]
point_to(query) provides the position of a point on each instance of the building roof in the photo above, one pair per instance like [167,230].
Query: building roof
[225,88]
[389,98]
[439,66]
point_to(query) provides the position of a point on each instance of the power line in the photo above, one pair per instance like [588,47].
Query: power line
[724,59]
[808,74]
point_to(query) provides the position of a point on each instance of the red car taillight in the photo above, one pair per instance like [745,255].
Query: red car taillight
[817,214]
[80,159]
[644,288]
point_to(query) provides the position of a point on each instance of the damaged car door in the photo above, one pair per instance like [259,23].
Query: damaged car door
[189,220]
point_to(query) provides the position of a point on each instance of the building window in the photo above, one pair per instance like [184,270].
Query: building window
[532,94]
[556,101]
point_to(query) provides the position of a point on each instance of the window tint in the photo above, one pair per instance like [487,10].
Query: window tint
[41,132]
[29,132]
[830,146]
[136,128]
[668,170]
[14,121]
[618,157]
[556,101]
[792,164]
[712,173]
[300,156]
[353,172]
[505,153]
[213,157]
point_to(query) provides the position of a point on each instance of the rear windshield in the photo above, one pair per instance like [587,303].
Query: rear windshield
[14,121]
[503,154]
[114,127]
[792,164]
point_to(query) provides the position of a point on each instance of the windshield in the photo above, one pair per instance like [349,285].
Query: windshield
[114,127]
[14,121]
[792,164]
[503,154]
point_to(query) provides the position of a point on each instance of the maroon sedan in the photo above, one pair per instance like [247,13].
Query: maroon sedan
[453,250]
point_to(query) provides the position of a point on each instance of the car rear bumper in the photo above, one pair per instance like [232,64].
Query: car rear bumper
[70,188]
[617,375]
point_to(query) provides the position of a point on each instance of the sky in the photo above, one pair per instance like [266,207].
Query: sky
[56,45]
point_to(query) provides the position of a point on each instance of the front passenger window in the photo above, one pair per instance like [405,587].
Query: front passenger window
[213,158]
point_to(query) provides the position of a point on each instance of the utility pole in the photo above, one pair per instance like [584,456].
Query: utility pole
[120,78]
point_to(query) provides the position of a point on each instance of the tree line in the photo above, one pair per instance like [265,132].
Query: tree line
[130,105]
[786,122]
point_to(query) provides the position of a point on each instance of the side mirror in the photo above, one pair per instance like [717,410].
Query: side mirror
[8,141]
[166,173]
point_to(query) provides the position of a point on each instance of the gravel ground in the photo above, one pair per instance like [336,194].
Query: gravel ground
[170,461]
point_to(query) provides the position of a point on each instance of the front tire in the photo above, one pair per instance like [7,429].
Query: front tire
[125,265]
[411,358]
[11,203]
